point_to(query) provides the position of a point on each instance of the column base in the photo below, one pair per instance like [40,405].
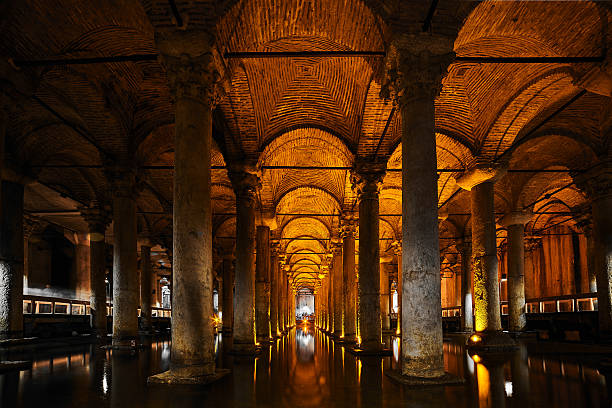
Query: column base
[196,375]
[8,366]
[126,344]
[370,352]
[244,350]
[349,340]
[446,379]
[495,341]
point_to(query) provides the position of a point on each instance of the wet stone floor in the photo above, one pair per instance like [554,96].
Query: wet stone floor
[306,369]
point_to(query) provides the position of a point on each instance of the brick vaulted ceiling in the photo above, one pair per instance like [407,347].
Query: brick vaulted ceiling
[315,111]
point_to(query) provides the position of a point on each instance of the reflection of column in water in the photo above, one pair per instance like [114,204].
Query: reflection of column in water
[491,392]
[350,379]
[263,390]
[97,371]
[9,389]
[124,390]
[244,373]
[520,375]
[371,382]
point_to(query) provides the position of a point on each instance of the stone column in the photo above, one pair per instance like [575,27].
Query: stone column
[586,225]
[336,272]
[187,56]
[480,181]
[598,186]
[385,295]
[349,280]
[97,219]
[30,224]
[397,249]
[330,298]
[125,258]
[228,292]
[262,285]
[515,223]
[366,179]
[415,73]
[274,289]
[145,286]
[11,260]
[245,187]
[467,314]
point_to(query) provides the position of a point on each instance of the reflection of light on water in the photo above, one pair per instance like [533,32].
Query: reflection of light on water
[470,363]
[484,385]
[508,388]
[104,383]
[359,372]
[165,354]
[396,349]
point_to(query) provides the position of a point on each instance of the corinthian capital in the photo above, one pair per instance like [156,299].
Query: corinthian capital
[366,178]
[245,183]
[596,183]
[192,65]
[415,66]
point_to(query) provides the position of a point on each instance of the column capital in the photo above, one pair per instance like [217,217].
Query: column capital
[597,182]
[30,223]
[479,174]
[397,247]
[245,183]
[347,226]
[415,65]
[464,246]
[336,247]
[367,177]
[585,223]
[532,242]
[515,218]
[98,219]
[193,67]
[124,181]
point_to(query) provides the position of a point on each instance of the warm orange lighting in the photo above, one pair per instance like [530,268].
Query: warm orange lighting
[476,358]
[475,338]
[358,339]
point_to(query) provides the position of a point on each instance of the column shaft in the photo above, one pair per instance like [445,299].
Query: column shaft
[517,320]
[145,288]
[370,327]
[262,284]
[422,324]
[602,235]
[467,314]
[274,289]
[244,284]
[193,337]
[97,277]
[330,301]
[384,297]
[349,284]
[125,269]
[11,260]
[484,259]
[228,294]
[337,290]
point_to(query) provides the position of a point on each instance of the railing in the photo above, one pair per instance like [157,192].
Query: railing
[583,302]
[45,305]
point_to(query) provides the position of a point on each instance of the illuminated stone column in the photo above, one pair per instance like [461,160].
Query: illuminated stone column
[480,181]
[262,284]
[349,279]
[336,271]
[125,258]
[274,290]
[97,219]
[146,273]
[191,70]
[228,292]
[397,249]
[11,260]
[245,187]
[467,314]
[515,224]
[415,67]
[385,295]
[597,184]
[330,297]
[366,179]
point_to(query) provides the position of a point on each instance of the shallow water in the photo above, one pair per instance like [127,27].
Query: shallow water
[305,369]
